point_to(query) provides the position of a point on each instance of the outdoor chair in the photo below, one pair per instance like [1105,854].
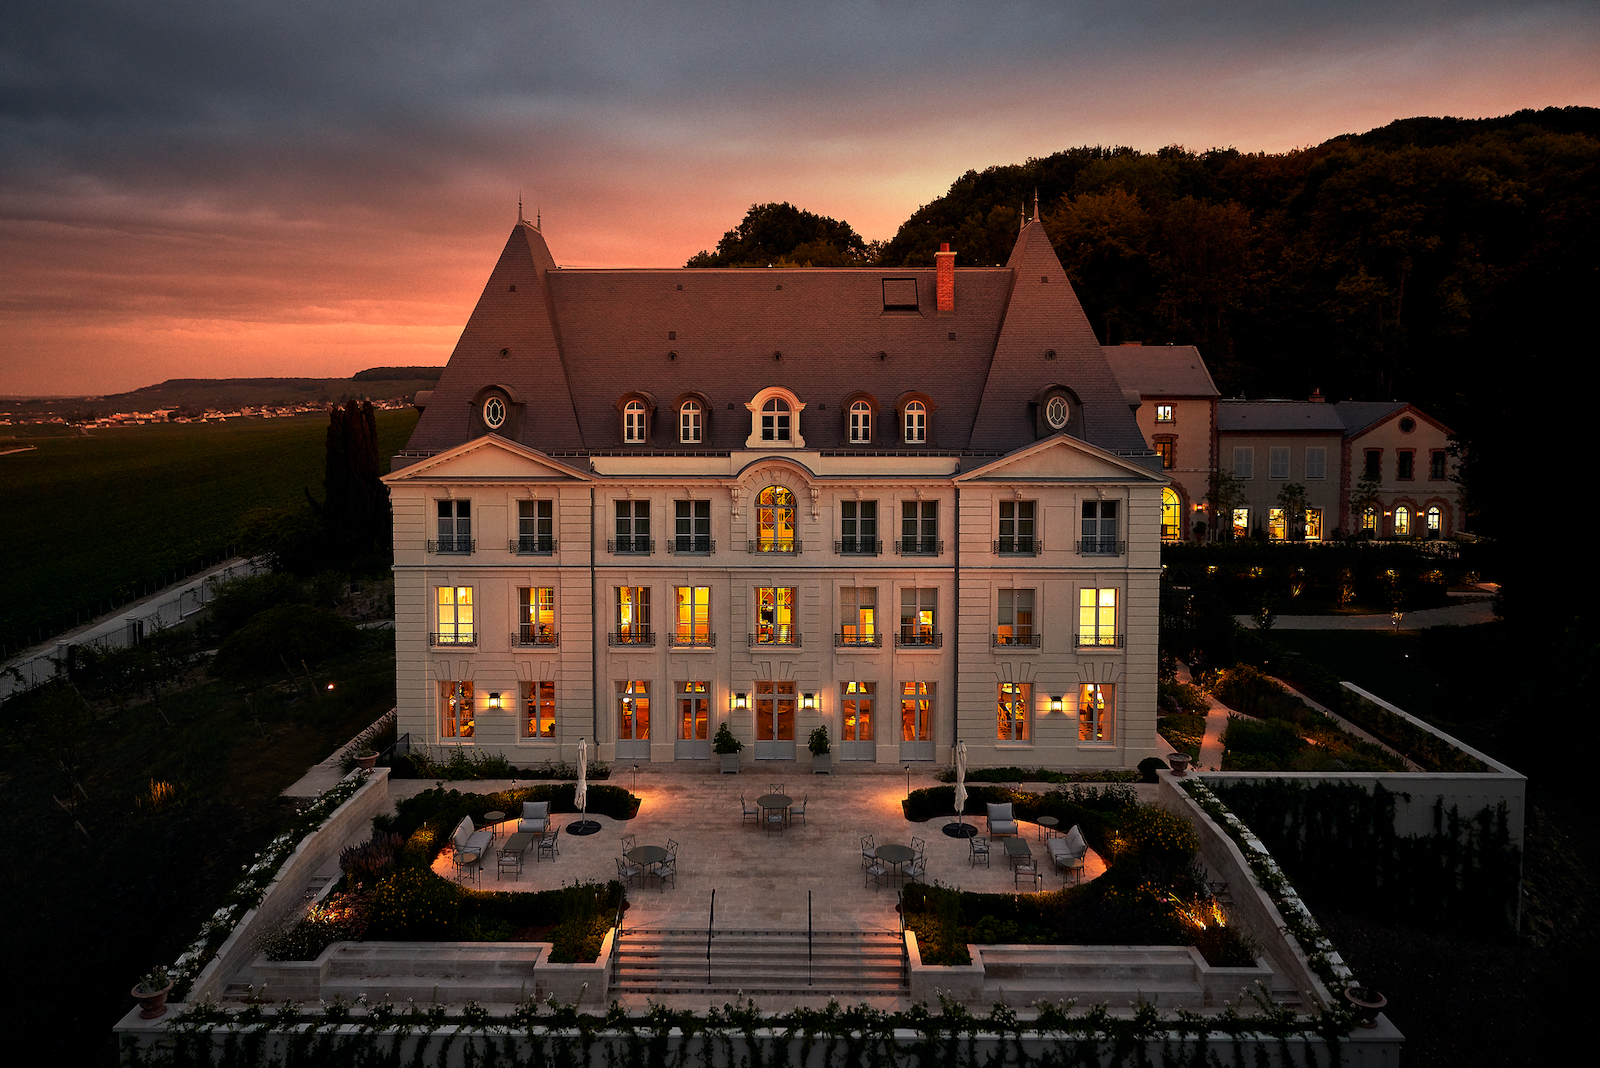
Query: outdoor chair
[751,812]
[777,788]
[917,868]
[878,871]
[798,809]
[667,869]
[509,862]
[868,850]
[627,871]
[977,847]
[628,842]
[672,850]
[775,820]
[468,839]
[1027,870]
[1001,821]
[920,845]
[1067,853]
[549,844]
[535,817]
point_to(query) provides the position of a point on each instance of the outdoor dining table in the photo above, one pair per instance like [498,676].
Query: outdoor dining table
[647,857]
[782,801]
[895,854]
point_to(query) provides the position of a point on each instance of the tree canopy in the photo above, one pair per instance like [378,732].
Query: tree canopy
[784,235]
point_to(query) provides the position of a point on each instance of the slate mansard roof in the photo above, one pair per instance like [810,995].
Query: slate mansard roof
[567,345]
[1161,370]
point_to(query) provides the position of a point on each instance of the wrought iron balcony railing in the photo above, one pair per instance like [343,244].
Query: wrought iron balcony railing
[788,546]
[637,545]
[920,547]
[706,640]
[919,639]
[1101,547]
[691,545]
[460,545]
[849,640]
[1100,641]
[779,635]
[858,546]
[1017,641]
[531,635]
[533,545]
[453,637]
[631,636]
[1018,546]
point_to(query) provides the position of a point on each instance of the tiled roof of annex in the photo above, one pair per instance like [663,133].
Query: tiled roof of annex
[1161,370]
[1237,416]
[826,334]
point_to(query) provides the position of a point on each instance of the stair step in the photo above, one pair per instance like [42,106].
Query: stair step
[757,962]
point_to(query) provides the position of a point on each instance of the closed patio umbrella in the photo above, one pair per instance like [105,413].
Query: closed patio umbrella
[580,796]
[958,829]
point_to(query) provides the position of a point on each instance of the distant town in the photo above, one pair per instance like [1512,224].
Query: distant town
[95,421]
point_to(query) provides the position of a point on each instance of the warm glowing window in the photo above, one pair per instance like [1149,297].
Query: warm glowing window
[1277,524]
[536,612]
[455,616]
[916,421]
[916,711]
[694,616]
[456,716]
[775,615]
[858,615]
[1163,413]
[919,610]
[860,423]
[635,429]
[1313,524]
[1402,522]
[539,709]
[855,706]
[691,418]
[1097,616]
[1014,619]
[1013,712]
[1241,522]
[1369,519]
[1094,712]
[633,613]
[1435,521]
[1167,449]
[633,711]
[1171,515]
[694,710]
[775,521]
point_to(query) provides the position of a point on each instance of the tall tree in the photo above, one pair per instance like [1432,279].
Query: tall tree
[773,233]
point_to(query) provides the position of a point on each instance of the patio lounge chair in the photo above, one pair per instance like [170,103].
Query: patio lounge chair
[535,817]
[1000,820]
[1067,853]
[468,839]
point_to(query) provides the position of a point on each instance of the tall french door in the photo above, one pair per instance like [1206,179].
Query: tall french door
[694,715]
[775,709]
[633,720]
[916,721]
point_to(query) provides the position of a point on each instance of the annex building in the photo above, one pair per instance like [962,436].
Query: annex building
[912,506]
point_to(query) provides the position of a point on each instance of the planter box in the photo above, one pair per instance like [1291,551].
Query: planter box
[821,763]
[730,763]
[961,983]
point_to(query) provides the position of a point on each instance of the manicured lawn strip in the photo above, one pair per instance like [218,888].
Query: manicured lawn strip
[93,521]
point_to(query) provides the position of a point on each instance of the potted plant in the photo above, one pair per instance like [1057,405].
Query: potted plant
[726,746]
[1367,1003]
[821,759]
[151,991]
[366,758]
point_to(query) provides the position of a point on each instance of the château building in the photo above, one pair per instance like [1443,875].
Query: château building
[911,506]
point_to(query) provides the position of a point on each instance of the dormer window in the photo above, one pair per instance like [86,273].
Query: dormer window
[494,413]
[1056,413]
[916,423]
[860,423]
[775,420]
[691,419]
[635,423]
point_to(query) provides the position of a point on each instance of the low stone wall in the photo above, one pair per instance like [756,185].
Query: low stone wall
[287,892]
[963,983]
[1292,973]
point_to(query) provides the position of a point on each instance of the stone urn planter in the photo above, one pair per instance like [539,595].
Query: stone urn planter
[151,994]
[367,759]
[1179,762]
[1367,1003]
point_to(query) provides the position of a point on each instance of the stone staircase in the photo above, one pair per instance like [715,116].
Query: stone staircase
[836,963]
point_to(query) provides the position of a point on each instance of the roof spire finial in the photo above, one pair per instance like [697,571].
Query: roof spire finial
[538,219]
[1035,202]
[520,219]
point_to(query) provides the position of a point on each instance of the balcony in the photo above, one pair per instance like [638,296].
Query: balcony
[631,636]
[537,636]
[691,545]
[782,546]
[778,635]
[919,639]
[1101,547]
[458,545]
[688,640]
[1099,641]
[453,637]
[1028,640]
[850,640]
[533,545]
[920,547]
[1018,546]
[858,546]
[633,546]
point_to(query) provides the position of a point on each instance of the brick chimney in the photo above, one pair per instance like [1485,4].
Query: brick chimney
[1317,397]
[946,277]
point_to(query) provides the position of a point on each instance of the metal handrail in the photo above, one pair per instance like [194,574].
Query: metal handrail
[810,950]
[711,924]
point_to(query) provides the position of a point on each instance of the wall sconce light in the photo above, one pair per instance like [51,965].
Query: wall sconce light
[1055,703]
[740,702]
[808,702]
[494,700]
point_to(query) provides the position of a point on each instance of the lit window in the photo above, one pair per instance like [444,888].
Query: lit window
[916,423]
[1014,619]
[916,711]
[691,418]
[1435,521]
[1016,527]
[1012,722]
[775,616]
[1313,524]
[775,420]
[456,716]
[633,711]
[1317,463]
[858,615]
[1094,712]
[694,710]
[1097,616]
[1241,522]
[1278,461]
[1163,413]
[858,527]
[1402,521]
[694,616]
[1099,528]
[455,527]
[855,709]
[1277,525]
[633,615]
[918,615]
[635,430]
[1369,520]
[539,709]
[775,521]
[860,423]
[1167,449]
[455,617]
[1171,515]
[1244,462]
[536,609]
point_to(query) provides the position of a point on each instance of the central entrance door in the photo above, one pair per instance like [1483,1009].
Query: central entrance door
[775,703]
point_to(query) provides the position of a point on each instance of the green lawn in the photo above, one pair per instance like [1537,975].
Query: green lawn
[95,521]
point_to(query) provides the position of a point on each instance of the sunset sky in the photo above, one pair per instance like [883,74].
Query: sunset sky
[201,188]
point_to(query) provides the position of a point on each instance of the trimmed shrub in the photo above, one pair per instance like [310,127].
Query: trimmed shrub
[414,905]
